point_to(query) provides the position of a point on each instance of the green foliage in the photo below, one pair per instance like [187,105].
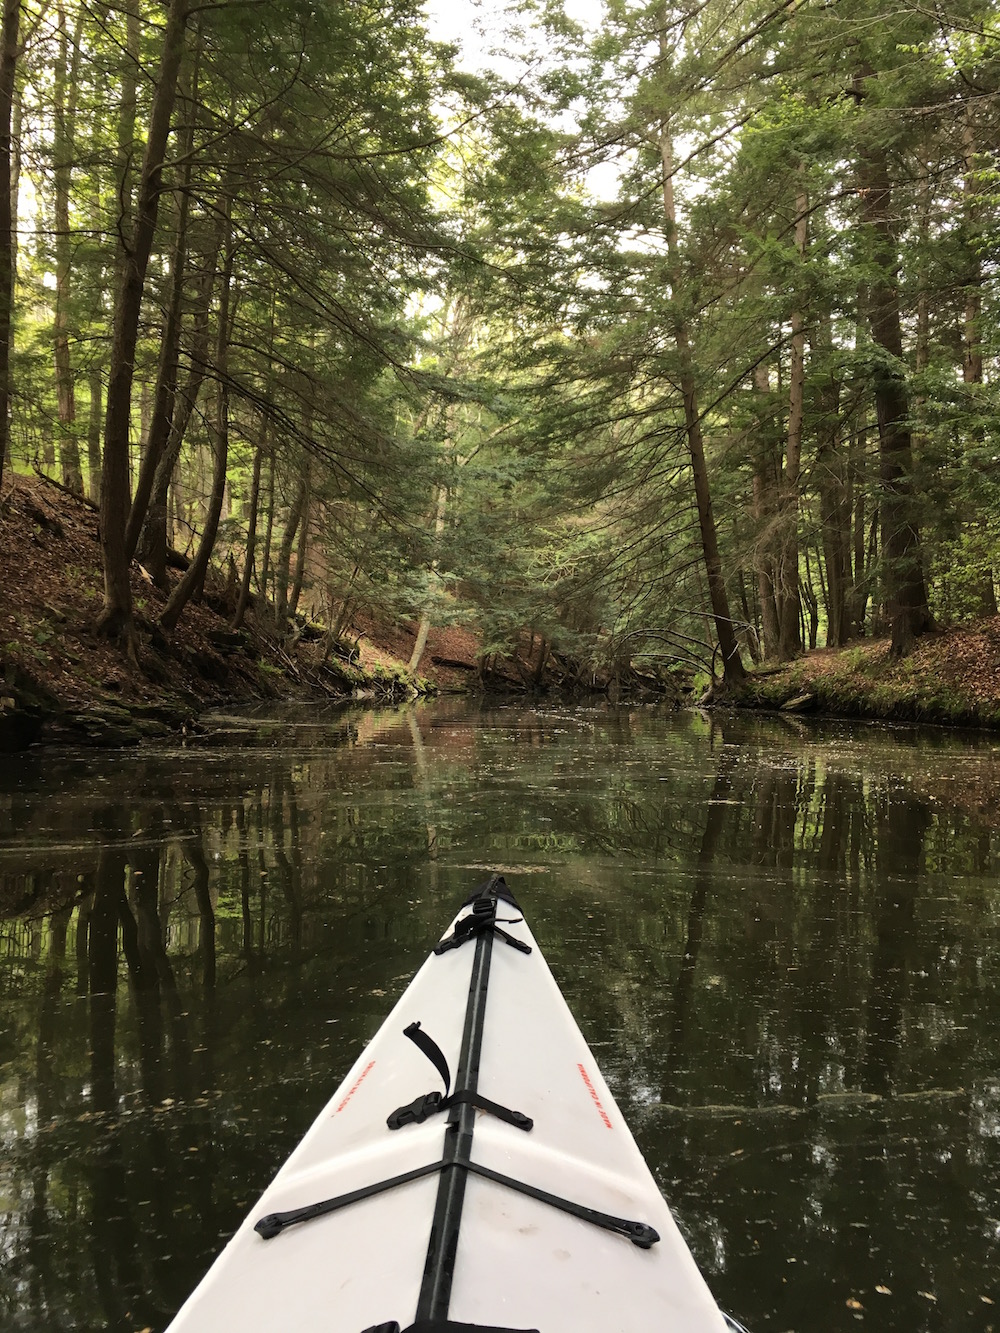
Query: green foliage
[476,378]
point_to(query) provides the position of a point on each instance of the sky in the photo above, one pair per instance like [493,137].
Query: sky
[474,25]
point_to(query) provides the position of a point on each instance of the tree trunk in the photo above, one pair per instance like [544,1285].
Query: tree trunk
[265,556]
[8,67]
[749,609]
[300,555]
[165,394]
[346,609]
[127,108]
[972,339]
[831,480]
[458,327]
[282,571]
[194,576]
[424,628]
[16,119]
[905,590]
[732,664]
[811,603]
[765,471]
[790,639]
[128,149]
[859,474]
[178,511]
[871,563]
[248,563]
[63,152]
[94,435]
[134,251]
[152,545]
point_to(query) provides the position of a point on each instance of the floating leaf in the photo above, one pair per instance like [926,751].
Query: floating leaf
[883,1291]
[854,1304]
[928,1296]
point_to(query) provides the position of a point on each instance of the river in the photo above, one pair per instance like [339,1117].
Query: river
[780,938]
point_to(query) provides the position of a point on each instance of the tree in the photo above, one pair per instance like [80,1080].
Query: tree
[906,594]
[732,663]
[8,67]
[63,152]
[135,246]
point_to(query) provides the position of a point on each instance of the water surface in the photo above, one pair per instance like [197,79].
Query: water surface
[781,942]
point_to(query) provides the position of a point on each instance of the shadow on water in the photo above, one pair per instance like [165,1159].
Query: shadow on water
[782,944]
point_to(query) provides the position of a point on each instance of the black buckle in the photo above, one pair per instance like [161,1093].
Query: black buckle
[417,1112]
[521,1121]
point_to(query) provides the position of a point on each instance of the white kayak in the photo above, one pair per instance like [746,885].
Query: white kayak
[472,1172]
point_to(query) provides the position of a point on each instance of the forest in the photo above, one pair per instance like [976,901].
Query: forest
[667,338]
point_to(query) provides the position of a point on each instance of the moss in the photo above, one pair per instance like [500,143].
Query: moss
[861,682]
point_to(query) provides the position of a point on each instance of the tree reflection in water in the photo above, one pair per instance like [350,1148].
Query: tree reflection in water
[781,944]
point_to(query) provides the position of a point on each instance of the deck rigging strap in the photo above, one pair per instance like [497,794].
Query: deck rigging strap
[429,1047]
[431,1103]
[639,1233]
[272,1224]
[456,1163]
[444,1326]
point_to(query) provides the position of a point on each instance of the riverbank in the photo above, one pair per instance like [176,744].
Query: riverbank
[951,678]
[60,683]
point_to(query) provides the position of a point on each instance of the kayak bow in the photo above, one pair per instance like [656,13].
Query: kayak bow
[515,1201]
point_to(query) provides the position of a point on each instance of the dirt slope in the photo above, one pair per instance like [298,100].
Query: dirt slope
[59,681]
[951,677]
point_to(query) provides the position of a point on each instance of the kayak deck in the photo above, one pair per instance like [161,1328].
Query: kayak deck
[560,1226]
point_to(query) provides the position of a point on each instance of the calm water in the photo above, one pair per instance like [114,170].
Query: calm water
[781,942]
